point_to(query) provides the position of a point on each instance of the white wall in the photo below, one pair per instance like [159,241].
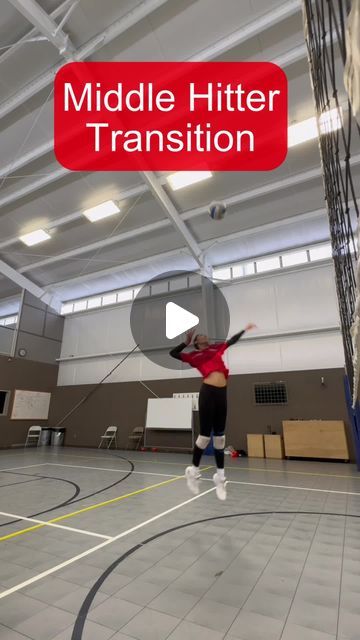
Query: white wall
[287,302]
[6,340]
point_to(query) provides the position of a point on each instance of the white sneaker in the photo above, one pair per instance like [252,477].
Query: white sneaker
[193,480]
[220,484]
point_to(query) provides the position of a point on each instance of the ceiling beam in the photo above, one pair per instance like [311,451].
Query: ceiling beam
[249,31]
[130,19]
[25,283]
[288,58]
[245,196]
[173,215]
[127,194]
[32,11]
[204,245]
[62,8]
[284,60]
[96,43]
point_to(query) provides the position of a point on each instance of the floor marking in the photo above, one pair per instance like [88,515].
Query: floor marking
[66,563]
[142,473]
[299,473]
[283,486]
[139,460]
[41,464]
[302,473]
[15,534]
[49,524]
[14,484]
[256,484]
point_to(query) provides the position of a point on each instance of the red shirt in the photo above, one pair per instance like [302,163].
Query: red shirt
[208,360]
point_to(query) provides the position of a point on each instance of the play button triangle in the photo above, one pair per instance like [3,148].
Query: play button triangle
[178,320]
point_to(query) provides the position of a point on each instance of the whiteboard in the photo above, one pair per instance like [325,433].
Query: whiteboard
[169,413]
[30,405]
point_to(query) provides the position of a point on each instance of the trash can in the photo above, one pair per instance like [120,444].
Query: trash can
[45,437]
[57,437]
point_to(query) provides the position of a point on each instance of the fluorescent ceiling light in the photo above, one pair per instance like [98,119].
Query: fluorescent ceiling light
[182,179]
[307,130]
[101,211]
[35,237]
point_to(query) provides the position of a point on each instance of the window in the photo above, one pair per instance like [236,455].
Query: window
[110,298]
[94,302]
[296,257]
[4,402]
[67,308]
[225,273]
[178,283]
[159,287]
[80,305]
[270,393]
[241,270]
[222,274]
[8,321]
[320,253]
[268,264]
[124,296]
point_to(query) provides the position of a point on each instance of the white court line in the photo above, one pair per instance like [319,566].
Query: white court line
[142,473]
[40,464]
[168,475]
[56,526]
[283,486]
[66,563]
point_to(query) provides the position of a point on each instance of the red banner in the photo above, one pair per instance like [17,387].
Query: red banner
[170,116]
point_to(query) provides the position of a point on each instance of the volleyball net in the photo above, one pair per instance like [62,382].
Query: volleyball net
[332,34]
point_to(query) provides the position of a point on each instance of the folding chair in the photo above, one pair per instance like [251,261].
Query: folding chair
[33,436]
[109,437]
[136,437]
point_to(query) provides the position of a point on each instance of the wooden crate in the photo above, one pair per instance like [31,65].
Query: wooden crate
[274,446]
[315,439]
[255,445]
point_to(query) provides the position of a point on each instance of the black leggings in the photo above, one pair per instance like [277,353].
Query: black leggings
[212,414]
[212,410]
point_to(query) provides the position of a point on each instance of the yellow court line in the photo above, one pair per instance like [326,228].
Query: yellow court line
[91,507]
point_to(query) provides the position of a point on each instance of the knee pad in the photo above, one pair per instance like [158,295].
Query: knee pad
[219,442]
[202,442]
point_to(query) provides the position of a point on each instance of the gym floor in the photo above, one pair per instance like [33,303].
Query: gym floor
[109,544]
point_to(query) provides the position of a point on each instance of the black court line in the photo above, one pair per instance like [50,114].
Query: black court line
[41,477]
[78,629]
[73,499]
[13,484]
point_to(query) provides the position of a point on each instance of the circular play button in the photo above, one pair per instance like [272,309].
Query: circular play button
[169,305]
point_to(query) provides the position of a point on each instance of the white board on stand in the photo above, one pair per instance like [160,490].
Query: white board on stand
[169,413]
[30,405]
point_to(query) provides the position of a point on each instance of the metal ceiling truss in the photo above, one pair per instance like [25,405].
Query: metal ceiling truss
[205,246]
[240,198]
[45,24]
[31,36]
[96,43]
[173,215]
[25,283]
[294,55]
[54,33]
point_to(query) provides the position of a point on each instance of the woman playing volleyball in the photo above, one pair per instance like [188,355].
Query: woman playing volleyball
[207,359]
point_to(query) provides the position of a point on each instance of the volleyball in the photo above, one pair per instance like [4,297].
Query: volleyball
[217,210]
